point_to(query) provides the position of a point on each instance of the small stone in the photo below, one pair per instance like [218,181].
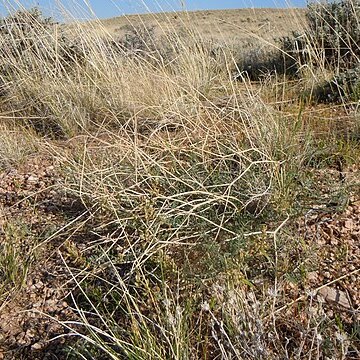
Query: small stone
[32,179]
[36,346]
[50,303]
[30,333]
[335,296]
[313,276]
[22,341]
[39,285]
[64,304]
[349,224]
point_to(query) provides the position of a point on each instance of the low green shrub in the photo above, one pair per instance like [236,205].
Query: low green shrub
[343,87]
[335,32]
[331,41]
[29,40]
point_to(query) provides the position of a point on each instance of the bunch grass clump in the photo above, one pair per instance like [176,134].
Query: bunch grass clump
[182,208]
[187,180]
[104,82]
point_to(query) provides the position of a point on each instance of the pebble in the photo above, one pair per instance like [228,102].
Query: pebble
[30,333]
[36,346]
[313,276]
[335,296]
[39,285]
[32,179]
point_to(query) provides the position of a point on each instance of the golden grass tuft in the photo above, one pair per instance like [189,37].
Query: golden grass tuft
[190,185]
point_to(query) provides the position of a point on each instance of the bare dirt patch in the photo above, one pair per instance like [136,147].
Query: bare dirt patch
[33,301]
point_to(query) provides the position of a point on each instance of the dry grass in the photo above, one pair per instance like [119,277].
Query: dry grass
[182,237]
[230,26]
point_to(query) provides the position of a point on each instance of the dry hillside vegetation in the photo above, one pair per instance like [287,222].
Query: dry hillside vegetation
[180,186]
[232,26]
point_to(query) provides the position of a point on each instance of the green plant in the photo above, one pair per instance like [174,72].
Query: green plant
[179,200]
[286,57]
[331,40]
[28,39]
[15,258]
[335,32]
[342,88]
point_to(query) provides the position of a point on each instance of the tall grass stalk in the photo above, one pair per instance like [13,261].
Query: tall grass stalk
[187,176]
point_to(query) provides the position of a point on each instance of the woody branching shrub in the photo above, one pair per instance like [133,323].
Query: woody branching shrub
[286,58]
[139,42]
[142,42]
[28,39]
[331,40]
[334,30]
[343,87]
[332,37]
[139,39]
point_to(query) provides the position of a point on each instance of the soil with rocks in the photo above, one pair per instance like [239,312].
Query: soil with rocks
[33,307]
[33,311]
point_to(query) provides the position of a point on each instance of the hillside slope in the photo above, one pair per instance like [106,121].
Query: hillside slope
[222,25]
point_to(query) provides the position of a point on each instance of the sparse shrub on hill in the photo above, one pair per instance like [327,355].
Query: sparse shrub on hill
[334,30]
[341,88]
[28,39]
[20,34]
[139,39]
[24,22]
[295,53]
[141,42]
[331,40]
[285,59]
[256,63]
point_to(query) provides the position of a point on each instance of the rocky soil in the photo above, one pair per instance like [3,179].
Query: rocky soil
[34,213]
[32,210]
